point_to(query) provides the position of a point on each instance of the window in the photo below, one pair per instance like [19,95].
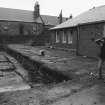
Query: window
[21,28]
[70,37]
[57,37]
[34,28]
[64,37]
[5,28]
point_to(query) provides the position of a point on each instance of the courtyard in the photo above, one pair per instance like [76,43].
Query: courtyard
[83,87]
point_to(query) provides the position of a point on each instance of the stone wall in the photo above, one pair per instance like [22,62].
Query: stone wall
[18,32]
[13,28]
[43,38]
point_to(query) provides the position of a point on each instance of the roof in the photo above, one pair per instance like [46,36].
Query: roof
[95,14]
[16,15]
[49,20]
[26,16]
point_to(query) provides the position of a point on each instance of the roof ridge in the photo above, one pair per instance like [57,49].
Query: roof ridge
[52,16]
[93,15]
[96,7]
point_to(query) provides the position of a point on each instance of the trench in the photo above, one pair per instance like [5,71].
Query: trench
[37,73]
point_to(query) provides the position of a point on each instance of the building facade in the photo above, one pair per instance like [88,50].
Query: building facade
[86,26]
[25,23]
[20,28]
[64,38]
[86,46]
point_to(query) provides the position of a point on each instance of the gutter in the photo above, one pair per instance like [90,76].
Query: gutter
[79,24]
[51,29]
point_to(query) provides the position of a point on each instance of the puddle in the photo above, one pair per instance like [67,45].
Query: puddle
[14,88]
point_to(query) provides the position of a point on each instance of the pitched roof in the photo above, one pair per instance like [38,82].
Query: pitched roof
[49,20]
[26,16]
[95,14]
[16,15]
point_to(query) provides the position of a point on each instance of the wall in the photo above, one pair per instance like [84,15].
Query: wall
[13,28]
[9,28]
[82,42]
[86,46]
[67,32]
[18,32]
[43,38]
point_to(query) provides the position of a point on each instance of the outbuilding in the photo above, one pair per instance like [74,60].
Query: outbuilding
[78,32]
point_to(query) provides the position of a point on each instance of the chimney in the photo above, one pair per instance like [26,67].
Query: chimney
[60,17]
[70,17]
[36,10]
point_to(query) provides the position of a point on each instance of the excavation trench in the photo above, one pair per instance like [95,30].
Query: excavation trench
[37,72]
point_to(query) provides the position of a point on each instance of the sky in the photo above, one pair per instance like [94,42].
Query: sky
[53,7]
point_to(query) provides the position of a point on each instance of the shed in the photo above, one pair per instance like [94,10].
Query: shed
[88,25]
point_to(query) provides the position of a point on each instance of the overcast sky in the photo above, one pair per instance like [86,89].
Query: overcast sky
[53,7]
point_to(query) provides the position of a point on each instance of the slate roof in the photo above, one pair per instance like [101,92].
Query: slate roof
[16,15]
[26,16]
[49,20]
[95,14]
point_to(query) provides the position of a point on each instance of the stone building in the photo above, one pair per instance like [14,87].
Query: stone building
[76,33]
[22,25]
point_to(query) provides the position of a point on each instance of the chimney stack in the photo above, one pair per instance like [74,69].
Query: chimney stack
[70,16]
[60,17]
[36,10]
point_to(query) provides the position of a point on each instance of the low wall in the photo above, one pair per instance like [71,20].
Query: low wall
[38,71]
[13,39]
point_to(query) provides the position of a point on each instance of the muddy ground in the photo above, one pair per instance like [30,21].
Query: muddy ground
[86,90]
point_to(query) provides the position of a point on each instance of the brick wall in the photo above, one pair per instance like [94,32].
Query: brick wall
[65,45]
[86,46]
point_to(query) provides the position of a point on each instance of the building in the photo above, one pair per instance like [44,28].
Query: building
[76,33]
[22,25]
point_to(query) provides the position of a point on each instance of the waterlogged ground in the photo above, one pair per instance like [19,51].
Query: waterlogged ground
[9,79]
[84,90]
